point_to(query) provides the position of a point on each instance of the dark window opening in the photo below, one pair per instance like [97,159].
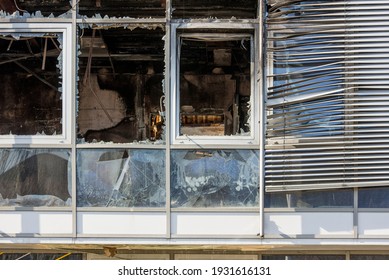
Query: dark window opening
[30,100]
[120,89]
[215,84]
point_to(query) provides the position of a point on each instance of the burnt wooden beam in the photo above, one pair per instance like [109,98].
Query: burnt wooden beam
[35,75]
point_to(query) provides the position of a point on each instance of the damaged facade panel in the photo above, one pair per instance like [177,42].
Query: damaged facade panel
[30,101]
[121,178]
[35,177]
[121,8]
[214,9]
[120,88]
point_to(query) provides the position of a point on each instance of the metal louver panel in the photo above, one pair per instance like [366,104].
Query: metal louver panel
[327,94]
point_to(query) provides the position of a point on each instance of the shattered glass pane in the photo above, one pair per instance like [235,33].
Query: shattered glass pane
[35,177]
[222,178]
[30,100]
[121,178]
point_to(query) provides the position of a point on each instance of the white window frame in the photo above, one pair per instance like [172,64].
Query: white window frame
[64,83]
[252,137]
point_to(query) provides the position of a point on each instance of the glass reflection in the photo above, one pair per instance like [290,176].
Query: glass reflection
[227,178]
[310,199]
[121,178]
[373,197]
[35,177]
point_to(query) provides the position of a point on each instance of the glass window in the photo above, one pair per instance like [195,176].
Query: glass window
[35,177]
[222,178]
[40,256]
[121,178]
[373,198]
[310,199]
[215,94]
[369,257]
[35,100]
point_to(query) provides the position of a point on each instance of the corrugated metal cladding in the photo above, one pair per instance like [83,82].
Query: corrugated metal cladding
[328,94]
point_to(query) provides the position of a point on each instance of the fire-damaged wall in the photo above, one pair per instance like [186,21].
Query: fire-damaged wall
[120,109]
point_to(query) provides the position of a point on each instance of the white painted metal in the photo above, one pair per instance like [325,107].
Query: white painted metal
[218,224]
[35,223]
[121,223]
[373,224]
[309,224]
[66,30]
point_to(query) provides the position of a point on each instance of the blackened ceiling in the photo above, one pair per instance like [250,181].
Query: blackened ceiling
[46,7]
[127,50]
[139,8]
[215,8]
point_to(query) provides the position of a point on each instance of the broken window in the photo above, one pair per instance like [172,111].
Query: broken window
[35,87]
[35,177]
[215,89]
[120,90]
[215,178]
[121,178]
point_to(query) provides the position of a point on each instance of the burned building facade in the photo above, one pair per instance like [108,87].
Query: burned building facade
[248,129]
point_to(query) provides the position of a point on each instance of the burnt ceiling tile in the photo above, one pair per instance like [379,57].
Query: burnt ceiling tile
[46,7]
[121,8]
[215,8]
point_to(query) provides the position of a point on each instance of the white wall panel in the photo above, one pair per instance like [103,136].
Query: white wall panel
[374,224]
[219,224]
[121,223]
[35,222]
[310,224]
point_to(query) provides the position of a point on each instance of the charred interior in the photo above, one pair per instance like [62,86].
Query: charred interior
[80,77]
[30,101]
[120,89]
[215,83]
